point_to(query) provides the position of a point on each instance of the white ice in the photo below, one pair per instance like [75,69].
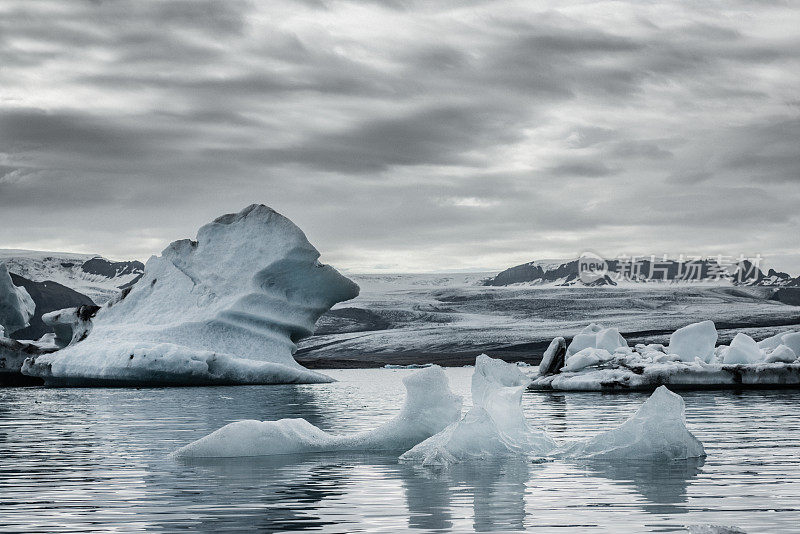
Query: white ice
[494,426]
[584,358]
[690,361]
[782,354]
[696,340]
[227,308]
[743,349]
[429,407]
[656,432]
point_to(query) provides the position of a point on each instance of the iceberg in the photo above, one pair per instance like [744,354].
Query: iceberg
[691,361]
[743,349]
[781,353]
[494,426]
[696,340]
[226,308]
[657,432]
[16,305]
[429,407]
[553,358]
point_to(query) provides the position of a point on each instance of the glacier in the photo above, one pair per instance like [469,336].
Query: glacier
[225,308]
[690,361]
[429,407]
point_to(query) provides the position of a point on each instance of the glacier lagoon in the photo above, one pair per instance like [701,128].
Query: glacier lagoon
[106,461]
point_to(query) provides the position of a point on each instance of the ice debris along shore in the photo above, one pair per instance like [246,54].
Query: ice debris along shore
[599,359]
[430,423]
[429,407]
[226,308]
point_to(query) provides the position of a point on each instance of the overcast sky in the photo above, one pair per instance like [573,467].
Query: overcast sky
[404,135]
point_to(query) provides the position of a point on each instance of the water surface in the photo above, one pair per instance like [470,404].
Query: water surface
[76,460]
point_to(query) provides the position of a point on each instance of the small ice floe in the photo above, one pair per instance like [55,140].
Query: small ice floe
[429,407]
[599,359]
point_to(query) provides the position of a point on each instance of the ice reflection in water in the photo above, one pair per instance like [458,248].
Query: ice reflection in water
[90,459]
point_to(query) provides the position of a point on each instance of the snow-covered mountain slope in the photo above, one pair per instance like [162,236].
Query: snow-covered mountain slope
[449,318]
[92,275]
[226,308]
[642,270]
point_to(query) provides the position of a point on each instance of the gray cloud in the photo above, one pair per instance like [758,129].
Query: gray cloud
[415,135]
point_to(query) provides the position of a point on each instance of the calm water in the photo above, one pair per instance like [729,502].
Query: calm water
[97,460]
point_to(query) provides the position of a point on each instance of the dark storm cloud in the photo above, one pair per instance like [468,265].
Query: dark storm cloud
[419,135]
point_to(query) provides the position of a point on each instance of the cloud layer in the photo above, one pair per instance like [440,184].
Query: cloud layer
[404,135]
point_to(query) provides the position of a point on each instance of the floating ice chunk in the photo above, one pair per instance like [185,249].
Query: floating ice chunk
[553,358]
[696,340]
[610,339]
[429,407]
[494,426]
[580,342]
[16,305]
[656,432]
[792,340]
[772,342]
[586,358]
[244,293]
[743,350]
[781,353]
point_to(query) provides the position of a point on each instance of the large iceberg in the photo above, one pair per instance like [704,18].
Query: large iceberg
[429,407]
[690,361]
[657,432]
[16,305]
[226,308]
[494,426]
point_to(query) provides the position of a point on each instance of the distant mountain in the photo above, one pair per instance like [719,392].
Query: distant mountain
[91,275]
[570,273]
[48,296]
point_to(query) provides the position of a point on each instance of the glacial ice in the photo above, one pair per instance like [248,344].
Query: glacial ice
[657,432]
[690,361]
[16,305]
[696,340]
[227,308]
[792,340]
[743,349]
[782,354]
[429,407]
[586,358]
[494,426]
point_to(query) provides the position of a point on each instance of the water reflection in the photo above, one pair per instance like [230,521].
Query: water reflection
[495,487]
[97,460]
[663,485]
